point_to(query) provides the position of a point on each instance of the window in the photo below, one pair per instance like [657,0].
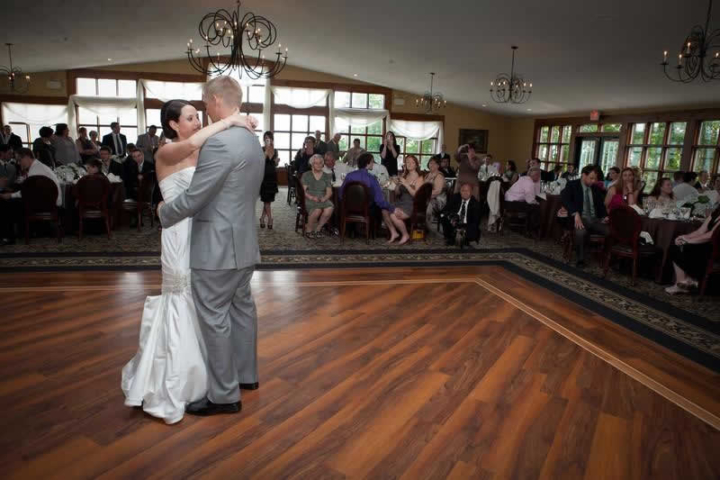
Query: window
[106,87]
[655,148]
[290,131]
[422,149]
[370,137]
[706,150]
[101,123]
[168,90]
[589,128]
[553,146]
[359,100]
[26,119]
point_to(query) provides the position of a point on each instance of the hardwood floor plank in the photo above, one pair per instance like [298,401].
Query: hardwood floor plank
[610,451]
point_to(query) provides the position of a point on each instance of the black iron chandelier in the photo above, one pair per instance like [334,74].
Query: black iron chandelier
[510,88]
[247,37]
[431,101]
[17,81]
[699,55]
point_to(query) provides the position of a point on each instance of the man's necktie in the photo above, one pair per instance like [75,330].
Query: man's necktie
[463,210]
[117,144]
[333,174]
[587,205]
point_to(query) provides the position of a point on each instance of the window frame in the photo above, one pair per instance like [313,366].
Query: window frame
[548,163]
[715,163]
[651,175]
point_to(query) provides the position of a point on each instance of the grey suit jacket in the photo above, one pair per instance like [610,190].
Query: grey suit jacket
[221,199]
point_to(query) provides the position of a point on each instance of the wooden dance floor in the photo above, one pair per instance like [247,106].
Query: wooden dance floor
[468,372]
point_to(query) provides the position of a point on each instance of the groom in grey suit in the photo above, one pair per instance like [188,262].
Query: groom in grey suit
[224,250]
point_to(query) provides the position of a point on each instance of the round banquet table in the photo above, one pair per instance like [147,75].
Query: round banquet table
[664,232]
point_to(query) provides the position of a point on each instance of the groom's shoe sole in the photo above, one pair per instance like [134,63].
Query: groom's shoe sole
[249,386]
[217,409]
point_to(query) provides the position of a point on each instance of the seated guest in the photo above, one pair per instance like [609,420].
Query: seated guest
[380,172]
[468,169]
[678,178]
[8,169]
[556,173]
[366,163]
[93,166]
[116,141]
[303,156]
[438,199]
[585,208]
[702,181]
[522,197]
[461,211]
[491,164]
[148,143]
[623,192]
[511,175]
[445,168]
[320,146]
[135,168]
[85,146]
[690,255]
[684,189]
[661,196]
[43,148]
[570,172]
[351,156]
[713,190]
[336,170]
[318,196]
[7,137]
[535,163]
[94,139]
[10,209]
[407,185]
[612,177]
[108,165]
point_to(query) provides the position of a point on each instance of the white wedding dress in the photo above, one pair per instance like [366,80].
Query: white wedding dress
[168,370]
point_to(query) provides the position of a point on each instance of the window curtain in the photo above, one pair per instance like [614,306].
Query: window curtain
[419,131]
[301,97]
[36,116]
[344,117]
[102,106]
[165,91]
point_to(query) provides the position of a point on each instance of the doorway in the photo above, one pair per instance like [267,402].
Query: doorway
[602,151]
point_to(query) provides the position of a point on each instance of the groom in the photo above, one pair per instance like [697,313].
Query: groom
[223,250]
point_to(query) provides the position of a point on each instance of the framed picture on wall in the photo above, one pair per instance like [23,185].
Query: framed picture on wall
[478,137]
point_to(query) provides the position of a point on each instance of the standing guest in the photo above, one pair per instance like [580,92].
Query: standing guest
[108,166]
[438,199]
[94,139]
[491,163]
[269,186]
[85,146]
[407,186]
[702,181]
[683,189]
[612,177]
[678,178]
[337,171]
[334,145]
[352,155]
[623,192]
[148,143]
[511,175]
[320,146]
[303,156]
[585,208]
[9,138]
[661,196]
[8,168]
[380,172]
[135,169]
[445,167]
[469,166]
[116,141]
[43,148]
[66,152]
[467,209]
[366,163]
[389,154]
[318,195]
[690,255]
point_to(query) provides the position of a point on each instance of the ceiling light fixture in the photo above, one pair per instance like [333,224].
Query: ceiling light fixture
[430,101]
[247,38]
[17,81]
[510,88]
[699,55]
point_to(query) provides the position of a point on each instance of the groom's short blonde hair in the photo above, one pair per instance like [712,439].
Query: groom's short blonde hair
[226,88]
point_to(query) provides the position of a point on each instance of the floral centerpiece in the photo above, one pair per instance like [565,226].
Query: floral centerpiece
[700,205]
[70,173]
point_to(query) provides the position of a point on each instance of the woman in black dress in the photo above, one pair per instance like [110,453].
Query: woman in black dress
[690,255]
[390,153]
[269,186]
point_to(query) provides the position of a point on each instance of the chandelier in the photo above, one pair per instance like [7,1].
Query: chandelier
[430,101]
[512,88]
[17,81]
[699,55]
[247,37]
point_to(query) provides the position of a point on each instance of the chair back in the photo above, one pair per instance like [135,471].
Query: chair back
[625,226]
[93,192]
[145,189]
[39,195]
[300,192]
[356,200]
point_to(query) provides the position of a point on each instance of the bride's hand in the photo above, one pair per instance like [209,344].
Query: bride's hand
[245,121]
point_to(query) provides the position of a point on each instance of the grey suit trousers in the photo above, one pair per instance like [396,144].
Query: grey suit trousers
[228,321]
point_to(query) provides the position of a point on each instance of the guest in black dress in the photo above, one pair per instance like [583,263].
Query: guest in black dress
[389,154]
[691,253]
[269,186]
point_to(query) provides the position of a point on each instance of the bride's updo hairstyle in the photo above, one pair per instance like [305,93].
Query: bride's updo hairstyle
[171,111]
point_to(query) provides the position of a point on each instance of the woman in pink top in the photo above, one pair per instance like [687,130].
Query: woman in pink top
[623,192]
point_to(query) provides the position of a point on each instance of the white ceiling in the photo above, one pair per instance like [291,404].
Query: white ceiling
[580,54]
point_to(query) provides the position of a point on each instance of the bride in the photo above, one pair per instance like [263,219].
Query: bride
[168,370]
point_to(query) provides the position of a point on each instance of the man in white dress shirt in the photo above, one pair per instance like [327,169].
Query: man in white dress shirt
[148,142]
[380,172]
[336,170]
[684,190]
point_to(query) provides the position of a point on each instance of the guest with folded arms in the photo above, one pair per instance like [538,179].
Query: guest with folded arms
[406,187]
[461,211]
[379,206]
[661,196]
[690,255]
[438,199]
[318,196]
[623,192]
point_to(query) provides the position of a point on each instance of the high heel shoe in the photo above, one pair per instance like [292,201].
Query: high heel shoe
[262,223]
[269,225]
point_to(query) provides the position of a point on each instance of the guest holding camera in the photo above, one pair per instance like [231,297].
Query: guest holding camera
[462,211]
[269,185]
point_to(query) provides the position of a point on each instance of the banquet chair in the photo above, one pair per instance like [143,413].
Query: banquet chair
[418,217]
[292,184]
[596,241]
[624,239]
[143,204]
[92,193]
[39,196]
[355,208]
[713,265]
[301,218]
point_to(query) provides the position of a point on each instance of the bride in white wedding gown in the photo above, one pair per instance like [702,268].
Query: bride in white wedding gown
[168,371]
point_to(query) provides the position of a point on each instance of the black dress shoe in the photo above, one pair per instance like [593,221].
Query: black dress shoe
[249,386]
[580,264]
[205,408]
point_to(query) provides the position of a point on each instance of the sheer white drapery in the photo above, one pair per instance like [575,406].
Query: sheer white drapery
[419,131]
[35,116]
[301,97]
[355,117]
[103,106]
[165,91]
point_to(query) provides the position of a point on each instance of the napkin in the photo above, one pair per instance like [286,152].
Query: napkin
[646,236]
[114,178]
[656,213]
[639,210]
[542,195]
